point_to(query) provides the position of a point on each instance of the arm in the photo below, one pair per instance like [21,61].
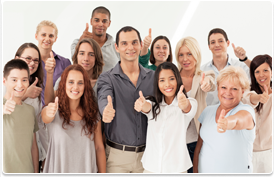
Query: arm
[146,44]
[142,105]
[196,154]
[49,67]
[247,62]
[239,121]
[100,151]
[211,76]
[144,60]
[35,154]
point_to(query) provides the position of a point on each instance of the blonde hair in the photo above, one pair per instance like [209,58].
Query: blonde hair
[235,74]
[46,23]
[193,45]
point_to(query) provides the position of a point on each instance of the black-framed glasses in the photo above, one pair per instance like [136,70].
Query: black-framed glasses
[29,59]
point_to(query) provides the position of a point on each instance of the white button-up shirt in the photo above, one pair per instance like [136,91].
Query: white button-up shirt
[166,150]
[212,97]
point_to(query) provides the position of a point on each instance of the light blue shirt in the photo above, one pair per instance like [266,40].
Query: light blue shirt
[212,97]
[229,152]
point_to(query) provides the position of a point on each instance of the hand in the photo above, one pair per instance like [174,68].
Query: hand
[147,40]
[205,83]
[140,102]
[50,64]
[86,33]
[9,105]
[183,102]
[33,91]
[52,108]
[239,52]
[109,112]
[222,122]
[264,96]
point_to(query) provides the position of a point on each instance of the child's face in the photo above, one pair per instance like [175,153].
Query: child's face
[17,82]
[167,83]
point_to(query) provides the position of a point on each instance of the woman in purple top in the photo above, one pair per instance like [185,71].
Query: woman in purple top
[46,35]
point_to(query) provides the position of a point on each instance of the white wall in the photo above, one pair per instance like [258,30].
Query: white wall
[248,24]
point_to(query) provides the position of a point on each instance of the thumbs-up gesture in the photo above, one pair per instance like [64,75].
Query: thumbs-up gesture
[50,64]
[52,108]
[148,39]
[264,96]
[9,105]
[183,102]
[205,83]
[86,33]
[222,122]
[109,112]
[139,102]
[33,91]
[239,52]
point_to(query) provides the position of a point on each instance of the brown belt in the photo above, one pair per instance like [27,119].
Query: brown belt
[125,148]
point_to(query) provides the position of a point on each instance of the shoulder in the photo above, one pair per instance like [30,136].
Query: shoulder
[27,107]
[205,67]
[244,107]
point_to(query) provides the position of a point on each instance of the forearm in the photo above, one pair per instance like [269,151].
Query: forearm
[35,155]
[254,98]
[101,160]
[46,119]
[247,62]
[144,51]
[188,108]
[49,92]
[239,121]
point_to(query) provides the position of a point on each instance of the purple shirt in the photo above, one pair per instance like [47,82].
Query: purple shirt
[61,64]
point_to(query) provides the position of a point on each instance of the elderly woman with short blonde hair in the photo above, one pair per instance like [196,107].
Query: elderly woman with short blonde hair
[227,130]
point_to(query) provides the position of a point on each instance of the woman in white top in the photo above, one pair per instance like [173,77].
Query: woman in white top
[169,112]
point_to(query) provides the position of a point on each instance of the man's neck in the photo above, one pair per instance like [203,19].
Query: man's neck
[45,54]
[220,61]
[100,39]
[129,67]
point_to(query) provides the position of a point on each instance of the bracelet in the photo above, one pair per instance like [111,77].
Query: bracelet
[243,59]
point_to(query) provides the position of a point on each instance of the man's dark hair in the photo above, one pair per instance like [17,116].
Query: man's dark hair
[15,64]
[217,30]
[102,10]
[127,29]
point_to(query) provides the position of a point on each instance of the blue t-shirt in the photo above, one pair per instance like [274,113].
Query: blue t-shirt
[229,152]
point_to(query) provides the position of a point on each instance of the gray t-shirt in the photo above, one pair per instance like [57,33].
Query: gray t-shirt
[70,150]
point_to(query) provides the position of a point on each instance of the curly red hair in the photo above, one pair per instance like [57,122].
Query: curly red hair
[88,102]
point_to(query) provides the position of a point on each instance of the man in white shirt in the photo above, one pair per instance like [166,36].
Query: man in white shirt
[100,21]
[218,43]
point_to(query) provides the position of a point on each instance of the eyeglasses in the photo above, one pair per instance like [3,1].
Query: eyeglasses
[29,59]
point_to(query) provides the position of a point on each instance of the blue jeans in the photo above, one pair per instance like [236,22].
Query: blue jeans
[191,149]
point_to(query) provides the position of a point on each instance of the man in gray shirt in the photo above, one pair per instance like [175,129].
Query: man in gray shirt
[118,89]
[100,21]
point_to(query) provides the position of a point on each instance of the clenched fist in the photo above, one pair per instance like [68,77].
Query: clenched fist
[52,108]
[109,112]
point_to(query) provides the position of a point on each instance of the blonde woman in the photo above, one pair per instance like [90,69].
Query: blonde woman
[196,84]
[227,129]
[46,35]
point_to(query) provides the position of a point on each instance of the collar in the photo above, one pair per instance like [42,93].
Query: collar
[110,40]
[174,102]
[118,71]
[229,61]
[55,55]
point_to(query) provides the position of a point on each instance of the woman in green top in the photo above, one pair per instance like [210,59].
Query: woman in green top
[161,52]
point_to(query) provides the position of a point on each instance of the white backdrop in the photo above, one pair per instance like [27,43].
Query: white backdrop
[248,24]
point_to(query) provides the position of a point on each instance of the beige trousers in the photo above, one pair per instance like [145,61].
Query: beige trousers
[119,161]
[146,171]
[262,161]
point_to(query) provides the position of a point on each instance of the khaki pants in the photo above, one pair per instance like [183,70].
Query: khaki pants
[262,161]
[146,171]
[119,161]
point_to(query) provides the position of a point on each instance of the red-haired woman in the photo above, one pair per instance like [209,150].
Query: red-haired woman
[74,126]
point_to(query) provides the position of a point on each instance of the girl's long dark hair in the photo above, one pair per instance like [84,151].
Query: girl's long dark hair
[157,98]
[255,63]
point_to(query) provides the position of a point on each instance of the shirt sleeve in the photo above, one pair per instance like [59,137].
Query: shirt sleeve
[104,88]
[246,98]
[56,85]
[194,106]
[202,116]
[73,46]
[144,60]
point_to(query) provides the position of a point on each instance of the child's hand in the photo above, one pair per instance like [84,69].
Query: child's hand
[139,102]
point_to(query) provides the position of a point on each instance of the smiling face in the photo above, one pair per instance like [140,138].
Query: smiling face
[218,45]
[263,75]
[46,37]
[86,56]
[75,85]
[129,46]
[16,83]
[186,59]
[167,83]
[161,51]
[229,93]
[31,57]
[100,23]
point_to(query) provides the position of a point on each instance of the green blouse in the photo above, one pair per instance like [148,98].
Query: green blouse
[144,61]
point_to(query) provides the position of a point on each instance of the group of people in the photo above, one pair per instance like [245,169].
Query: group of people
[111,111]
